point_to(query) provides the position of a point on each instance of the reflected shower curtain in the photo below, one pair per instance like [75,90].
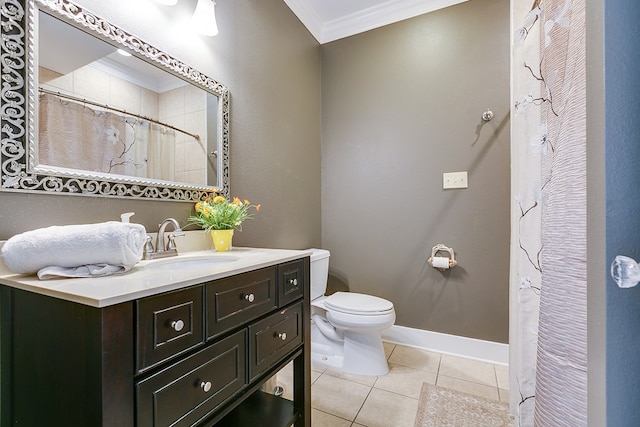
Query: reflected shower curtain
[72,135]
[548,340]
[152,153]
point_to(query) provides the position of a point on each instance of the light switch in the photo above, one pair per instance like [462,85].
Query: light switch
[454,180]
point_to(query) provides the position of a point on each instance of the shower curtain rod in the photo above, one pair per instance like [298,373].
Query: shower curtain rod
[117,110]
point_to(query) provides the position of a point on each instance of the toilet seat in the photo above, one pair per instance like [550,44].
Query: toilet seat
[359,304]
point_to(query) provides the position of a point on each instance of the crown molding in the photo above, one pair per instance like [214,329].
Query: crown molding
[308,16]
[380,15]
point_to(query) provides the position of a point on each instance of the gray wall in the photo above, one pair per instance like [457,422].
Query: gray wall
[401,105]
[272,66]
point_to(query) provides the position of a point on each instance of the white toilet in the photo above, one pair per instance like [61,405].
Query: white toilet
[346,327]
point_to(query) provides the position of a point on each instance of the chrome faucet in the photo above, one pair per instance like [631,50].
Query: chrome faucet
[162,251]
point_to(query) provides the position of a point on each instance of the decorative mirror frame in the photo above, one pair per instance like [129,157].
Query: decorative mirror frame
[18,111]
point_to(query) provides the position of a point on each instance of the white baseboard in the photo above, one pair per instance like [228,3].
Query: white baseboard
[486,351]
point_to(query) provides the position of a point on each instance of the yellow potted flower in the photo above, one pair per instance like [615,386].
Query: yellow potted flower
[220,217]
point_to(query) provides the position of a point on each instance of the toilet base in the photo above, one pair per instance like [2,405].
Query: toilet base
[360,353]
[364,354]
[323,356]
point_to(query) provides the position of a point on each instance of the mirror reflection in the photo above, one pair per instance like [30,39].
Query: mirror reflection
[80,118]
[103,110]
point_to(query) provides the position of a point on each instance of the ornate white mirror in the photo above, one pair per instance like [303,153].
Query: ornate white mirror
[78,117]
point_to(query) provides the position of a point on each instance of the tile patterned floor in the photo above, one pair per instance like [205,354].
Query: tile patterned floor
[341,400]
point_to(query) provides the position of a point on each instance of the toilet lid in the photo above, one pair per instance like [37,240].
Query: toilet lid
[352,302]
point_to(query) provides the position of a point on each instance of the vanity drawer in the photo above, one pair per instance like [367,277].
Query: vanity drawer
[168,325]
[291,282]
[191,389]
[273,337]
[238,299]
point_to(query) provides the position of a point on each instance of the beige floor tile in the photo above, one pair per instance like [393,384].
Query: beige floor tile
[317,367]
[502,375]
[468,370]
[415,358]
[322,419]
[384,409]
[474,388]
[368,380]
[405,381]
[338,396]
[388,348]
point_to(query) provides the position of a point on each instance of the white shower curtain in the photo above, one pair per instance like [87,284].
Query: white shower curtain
[526,233]
[548,365]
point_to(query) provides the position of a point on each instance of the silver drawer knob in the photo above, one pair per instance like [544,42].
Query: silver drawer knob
[282,336]
[249,297]
[206,386]
[294,282]
[177,325]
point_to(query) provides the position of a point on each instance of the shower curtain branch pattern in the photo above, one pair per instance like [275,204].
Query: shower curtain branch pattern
[541,79]
[536,263]
[125,150]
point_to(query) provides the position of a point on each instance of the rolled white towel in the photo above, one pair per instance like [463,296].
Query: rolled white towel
[115,244]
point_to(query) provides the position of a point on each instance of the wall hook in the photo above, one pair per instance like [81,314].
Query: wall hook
[487,115]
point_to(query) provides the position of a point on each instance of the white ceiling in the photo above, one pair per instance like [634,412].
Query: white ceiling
[330,20]
[63,48]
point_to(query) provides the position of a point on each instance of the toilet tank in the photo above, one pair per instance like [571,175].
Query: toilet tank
[319,272]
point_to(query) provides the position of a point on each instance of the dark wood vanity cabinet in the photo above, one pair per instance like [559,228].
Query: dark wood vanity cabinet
[197,356]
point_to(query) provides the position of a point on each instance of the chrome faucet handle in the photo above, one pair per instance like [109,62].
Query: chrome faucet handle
[171,243]
[148,248]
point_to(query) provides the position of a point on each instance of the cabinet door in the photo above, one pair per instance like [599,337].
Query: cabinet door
[238,299]
[273,337]
[190,390]
[291,283]
[168,324]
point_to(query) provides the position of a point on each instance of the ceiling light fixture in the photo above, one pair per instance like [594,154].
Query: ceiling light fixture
[203,20]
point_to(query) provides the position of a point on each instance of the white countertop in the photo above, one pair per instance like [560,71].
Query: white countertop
[153,277]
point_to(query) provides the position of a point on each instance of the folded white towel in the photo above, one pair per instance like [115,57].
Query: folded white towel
[76,250]
[91,270]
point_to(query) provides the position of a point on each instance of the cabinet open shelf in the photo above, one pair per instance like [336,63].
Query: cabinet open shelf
[262,410]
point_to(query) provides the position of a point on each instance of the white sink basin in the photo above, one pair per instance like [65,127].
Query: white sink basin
[187,262]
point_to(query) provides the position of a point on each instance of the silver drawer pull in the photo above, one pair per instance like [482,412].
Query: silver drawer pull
[282,336]
[206,386]
[249,297]
[293,282]
[177,325]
